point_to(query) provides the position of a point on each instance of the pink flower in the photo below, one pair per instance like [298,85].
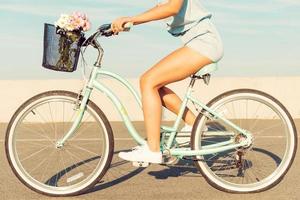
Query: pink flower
[81,21]
[87,26]
[76,21]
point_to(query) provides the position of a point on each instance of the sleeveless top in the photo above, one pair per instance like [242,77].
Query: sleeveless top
[190,14]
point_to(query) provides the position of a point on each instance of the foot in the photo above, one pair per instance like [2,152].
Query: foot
[142,154]
[187,128]
[184,134]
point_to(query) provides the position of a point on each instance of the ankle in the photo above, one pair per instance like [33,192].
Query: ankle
[153,148]
[190,122]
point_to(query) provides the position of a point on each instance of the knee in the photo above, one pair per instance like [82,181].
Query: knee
[148,81]
[143,81]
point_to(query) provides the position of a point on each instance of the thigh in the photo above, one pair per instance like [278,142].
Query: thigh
[177,66]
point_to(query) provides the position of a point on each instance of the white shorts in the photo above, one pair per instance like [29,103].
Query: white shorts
[205,39]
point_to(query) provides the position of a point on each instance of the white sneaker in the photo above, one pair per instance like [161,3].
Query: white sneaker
[183,136]
[142,154]
[187,128]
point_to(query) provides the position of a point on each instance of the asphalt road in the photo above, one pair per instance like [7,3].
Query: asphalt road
[123,181]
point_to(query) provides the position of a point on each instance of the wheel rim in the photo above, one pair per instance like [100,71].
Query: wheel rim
[46,168]
[253,176]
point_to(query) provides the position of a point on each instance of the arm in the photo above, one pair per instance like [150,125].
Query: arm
[171,8]
[161,11]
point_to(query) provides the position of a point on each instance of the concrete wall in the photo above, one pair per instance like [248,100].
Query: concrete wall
[15,92]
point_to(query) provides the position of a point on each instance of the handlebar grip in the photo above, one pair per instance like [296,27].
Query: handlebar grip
[128,26]
[105,29]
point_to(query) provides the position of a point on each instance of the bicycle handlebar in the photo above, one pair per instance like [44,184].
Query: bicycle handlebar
[105,30]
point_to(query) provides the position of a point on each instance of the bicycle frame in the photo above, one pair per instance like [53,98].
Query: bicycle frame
[180,152]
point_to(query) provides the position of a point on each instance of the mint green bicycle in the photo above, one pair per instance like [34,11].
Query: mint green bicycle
[60,143]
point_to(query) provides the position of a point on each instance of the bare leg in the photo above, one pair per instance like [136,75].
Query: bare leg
[172,102]
[175,67]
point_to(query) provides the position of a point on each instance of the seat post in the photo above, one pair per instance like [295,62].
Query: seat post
[193,80]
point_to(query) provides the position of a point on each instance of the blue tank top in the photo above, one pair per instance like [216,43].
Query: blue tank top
[190,14]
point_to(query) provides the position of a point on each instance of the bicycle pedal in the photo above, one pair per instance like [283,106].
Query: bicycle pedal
[170,160]
[140,164]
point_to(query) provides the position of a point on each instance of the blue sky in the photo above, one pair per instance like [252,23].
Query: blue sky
[261,38]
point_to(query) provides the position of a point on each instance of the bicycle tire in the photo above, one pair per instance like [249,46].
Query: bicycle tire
[73,97]
[216,181]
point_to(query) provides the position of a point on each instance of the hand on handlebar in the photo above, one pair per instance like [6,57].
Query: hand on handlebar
[121,24]
[105,30]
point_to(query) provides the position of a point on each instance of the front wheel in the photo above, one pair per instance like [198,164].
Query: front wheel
[254,168]
[44,167]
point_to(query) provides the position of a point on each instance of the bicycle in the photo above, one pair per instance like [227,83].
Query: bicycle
[67,151]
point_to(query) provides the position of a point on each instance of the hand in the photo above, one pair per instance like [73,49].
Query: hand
[118,24]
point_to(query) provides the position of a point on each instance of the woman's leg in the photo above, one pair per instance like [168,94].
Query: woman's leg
[175,67]
[172,102]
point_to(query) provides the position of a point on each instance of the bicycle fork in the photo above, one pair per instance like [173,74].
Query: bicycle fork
[80,108]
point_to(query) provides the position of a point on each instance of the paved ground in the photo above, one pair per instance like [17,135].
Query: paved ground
[155,182]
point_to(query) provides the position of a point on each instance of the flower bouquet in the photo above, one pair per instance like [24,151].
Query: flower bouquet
[62,41]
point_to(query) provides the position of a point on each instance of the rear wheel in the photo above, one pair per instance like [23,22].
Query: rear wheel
[35,159]
[251,169]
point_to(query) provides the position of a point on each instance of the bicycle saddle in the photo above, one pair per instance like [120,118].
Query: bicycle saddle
[207,69]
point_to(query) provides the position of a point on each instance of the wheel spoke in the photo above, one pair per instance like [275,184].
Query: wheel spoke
[268,128]
[43,136]
[88,151]
[64,167]
[51,115]
[63,118]
[44,120]
[34,154]
[47,165]
[81,160]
